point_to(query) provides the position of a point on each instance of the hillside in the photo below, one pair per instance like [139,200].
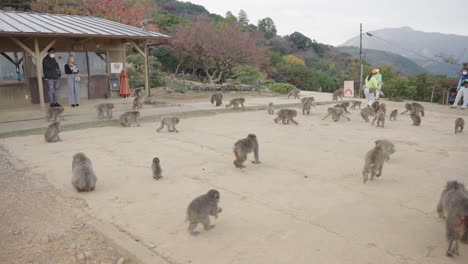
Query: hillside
[378,58]
[431,45]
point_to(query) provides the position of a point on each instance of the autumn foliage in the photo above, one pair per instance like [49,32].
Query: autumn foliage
[126,12]
[215,50]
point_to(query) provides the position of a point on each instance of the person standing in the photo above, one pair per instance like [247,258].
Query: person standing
[370,87]
[52,75]
[462,90]
[71,70]
[378,92]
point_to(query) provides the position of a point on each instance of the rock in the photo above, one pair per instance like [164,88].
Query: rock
[121,260]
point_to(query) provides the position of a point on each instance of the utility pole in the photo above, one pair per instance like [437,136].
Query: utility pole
[360,62]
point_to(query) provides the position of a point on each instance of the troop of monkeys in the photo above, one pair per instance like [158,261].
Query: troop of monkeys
[453,203]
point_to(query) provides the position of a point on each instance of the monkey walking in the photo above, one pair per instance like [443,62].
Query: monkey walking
[169,122]
[52,132]
[393,115]
[304,99]
[138,102]
[218,98]
[459,125]
[414,108]
[200,210]
[236,102]
[294,92]
[105,108]
[453,206]
[54,112]
[128,118]
[286,115]
[387,146]
[356,103]
[345,106]
[156,168]
[380,116]
[416,119]
[373,164]
[306,106]
[271,108]
[244,146]
[83,178]
[336,113]
[338,94]
[366,112]
[375,107]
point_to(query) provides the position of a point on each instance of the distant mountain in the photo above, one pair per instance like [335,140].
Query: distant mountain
[403,41]
[378,58]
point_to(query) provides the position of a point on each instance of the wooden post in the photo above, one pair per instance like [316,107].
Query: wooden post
[37,55]
[147,84]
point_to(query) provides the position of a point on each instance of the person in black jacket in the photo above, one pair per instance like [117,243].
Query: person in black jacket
[52,75]
[71,70]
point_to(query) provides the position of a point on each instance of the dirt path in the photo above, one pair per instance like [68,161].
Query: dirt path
[38,225]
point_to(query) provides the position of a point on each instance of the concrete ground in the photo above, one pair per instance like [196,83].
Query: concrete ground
[305,203]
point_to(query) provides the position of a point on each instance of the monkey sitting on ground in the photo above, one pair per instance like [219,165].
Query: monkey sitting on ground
[271,109]
[416,119]
[459,125]
[306,106]
[393,114]
[105,108]
[366,112]
[356,103]
[218,98]
[380,116]
[156,167]
[344,105]
[294,92]
[126,119]
[373,164]
[52,132]
[244,146]
[200,210]
[286,115]
[414,107]
[236,102]
[83,178]
[169,122]
[387,147]
[336,113]
[54,112]
[453,205]
[138,102]
[338,94]
[137,92]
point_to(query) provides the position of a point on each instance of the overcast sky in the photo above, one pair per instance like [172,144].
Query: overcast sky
[335,21]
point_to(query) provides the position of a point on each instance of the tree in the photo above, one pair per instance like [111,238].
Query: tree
[71,7]
[22,5]
[230,18]
[300,41]
[215,50]
[267,26]
[291,59]
[242,19]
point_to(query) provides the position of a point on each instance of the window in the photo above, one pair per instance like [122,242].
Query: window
[11,66]
[98,63]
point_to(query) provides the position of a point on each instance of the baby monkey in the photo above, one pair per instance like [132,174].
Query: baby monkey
[393,114]
[459,125]
[271,108]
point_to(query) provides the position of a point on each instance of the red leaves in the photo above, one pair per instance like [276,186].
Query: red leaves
[126,12]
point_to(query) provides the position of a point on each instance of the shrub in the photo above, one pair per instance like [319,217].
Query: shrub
[282,88]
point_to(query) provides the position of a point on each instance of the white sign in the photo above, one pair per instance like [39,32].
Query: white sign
[349,88]
[116,67]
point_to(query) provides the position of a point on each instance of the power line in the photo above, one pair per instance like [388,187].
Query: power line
[408,50]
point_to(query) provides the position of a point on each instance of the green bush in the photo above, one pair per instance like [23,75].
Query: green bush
[282,88]
[247,74]
[268,82]
[180,89]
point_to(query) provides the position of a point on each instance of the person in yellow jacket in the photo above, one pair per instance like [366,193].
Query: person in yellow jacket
[371,86]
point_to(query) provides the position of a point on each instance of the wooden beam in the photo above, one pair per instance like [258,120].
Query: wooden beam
[138,48]
[48,46]
[39,73]
[22,45]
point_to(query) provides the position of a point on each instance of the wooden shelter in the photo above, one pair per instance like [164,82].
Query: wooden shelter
[95,42]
